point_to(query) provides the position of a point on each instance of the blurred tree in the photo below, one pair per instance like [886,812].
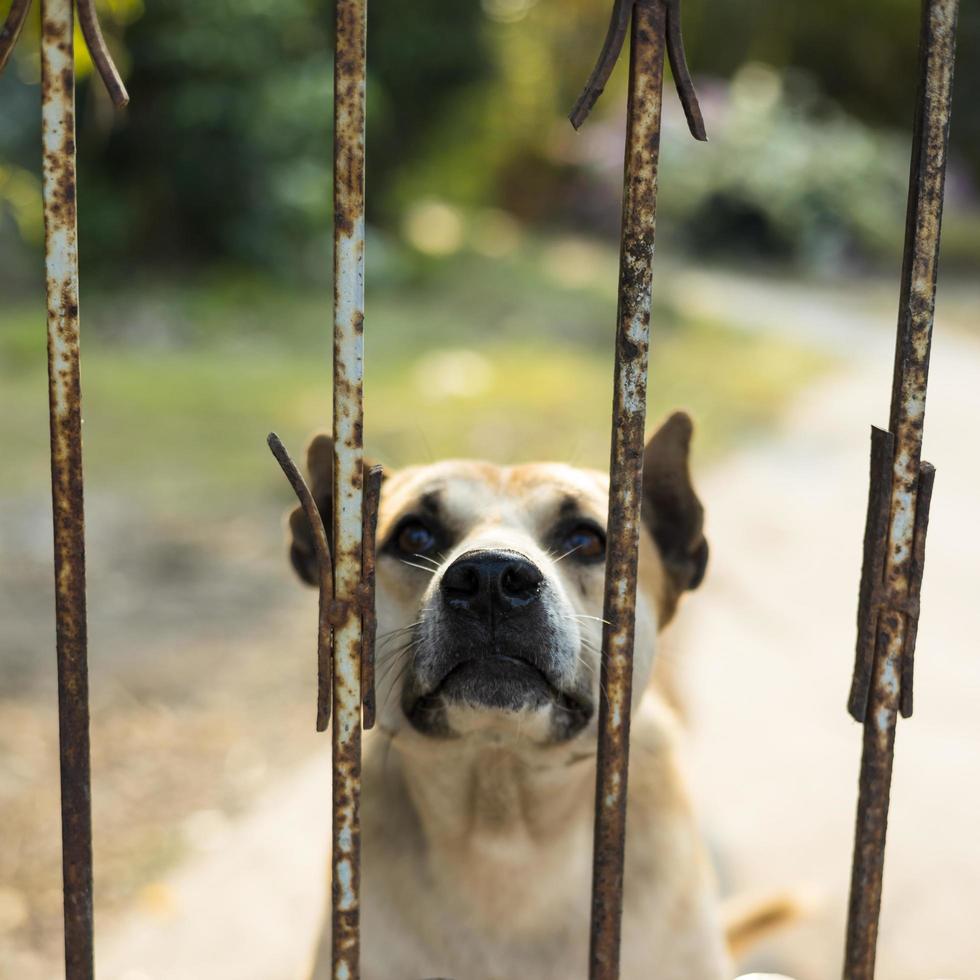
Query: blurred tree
[224,154]
[863,56]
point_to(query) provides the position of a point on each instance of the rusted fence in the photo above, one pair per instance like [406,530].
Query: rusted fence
[901,483]
[65,401]
[899,496]
[655,30]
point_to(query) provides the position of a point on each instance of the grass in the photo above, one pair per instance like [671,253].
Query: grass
[508,359]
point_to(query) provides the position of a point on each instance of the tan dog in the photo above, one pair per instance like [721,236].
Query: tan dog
[478,783]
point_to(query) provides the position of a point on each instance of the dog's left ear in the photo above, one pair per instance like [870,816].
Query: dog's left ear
[671,509]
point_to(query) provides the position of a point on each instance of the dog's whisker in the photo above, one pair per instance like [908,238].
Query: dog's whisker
[571,551]
[394,653]
[597,619]
[392,660]
[391,656]
[380,658]
[596,675]
[394,634]
[395,682]
[391,639]
[435,564]
[424,568]
[400,629]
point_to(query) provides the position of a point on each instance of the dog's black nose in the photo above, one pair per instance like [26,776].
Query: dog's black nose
[481,581]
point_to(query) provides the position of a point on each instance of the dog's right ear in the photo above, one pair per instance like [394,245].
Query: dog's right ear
[671,509]
[319,466]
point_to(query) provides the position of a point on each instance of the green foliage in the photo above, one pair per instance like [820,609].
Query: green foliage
[787,176]
[808,159]
[224,155]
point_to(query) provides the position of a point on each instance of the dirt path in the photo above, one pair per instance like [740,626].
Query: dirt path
[770,640]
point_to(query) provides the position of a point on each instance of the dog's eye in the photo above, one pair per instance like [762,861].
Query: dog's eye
[414,538]
[584,542]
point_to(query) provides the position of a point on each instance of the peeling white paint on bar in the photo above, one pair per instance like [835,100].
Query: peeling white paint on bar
[348,417]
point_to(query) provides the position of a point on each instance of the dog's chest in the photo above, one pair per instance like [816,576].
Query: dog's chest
[507,908]
[443,945]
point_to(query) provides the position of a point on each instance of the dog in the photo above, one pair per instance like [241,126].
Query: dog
[478,781]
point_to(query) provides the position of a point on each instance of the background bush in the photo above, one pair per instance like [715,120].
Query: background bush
[224,155]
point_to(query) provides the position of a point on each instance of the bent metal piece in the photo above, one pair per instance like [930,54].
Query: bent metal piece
[321,545]
[88,20]
[65,397]
[329,610]
[652,37]
[11,29]
[612,46]
[899,498]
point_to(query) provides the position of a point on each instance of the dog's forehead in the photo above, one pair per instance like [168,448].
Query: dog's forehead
[468,491]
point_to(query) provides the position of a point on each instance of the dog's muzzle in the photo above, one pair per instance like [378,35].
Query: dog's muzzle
[487,640]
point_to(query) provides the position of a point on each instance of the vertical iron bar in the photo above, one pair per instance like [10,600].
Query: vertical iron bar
[348,371]
[647,47]
[898,607]
[61,267]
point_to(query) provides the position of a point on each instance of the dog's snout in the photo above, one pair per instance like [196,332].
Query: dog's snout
[483,581]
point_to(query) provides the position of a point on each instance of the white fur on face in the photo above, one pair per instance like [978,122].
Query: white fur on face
[495,508]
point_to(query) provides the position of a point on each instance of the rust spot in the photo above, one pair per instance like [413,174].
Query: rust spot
[629,411]
[894,545]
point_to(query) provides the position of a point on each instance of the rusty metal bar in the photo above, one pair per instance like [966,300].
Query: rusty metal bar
[899,497]
[65,397]
[64,390]
[347,627]
[348,416]
[647,49]
[651,36]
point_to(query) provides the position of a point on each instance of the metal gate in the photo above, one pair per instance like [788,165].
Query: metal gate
[898,508]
